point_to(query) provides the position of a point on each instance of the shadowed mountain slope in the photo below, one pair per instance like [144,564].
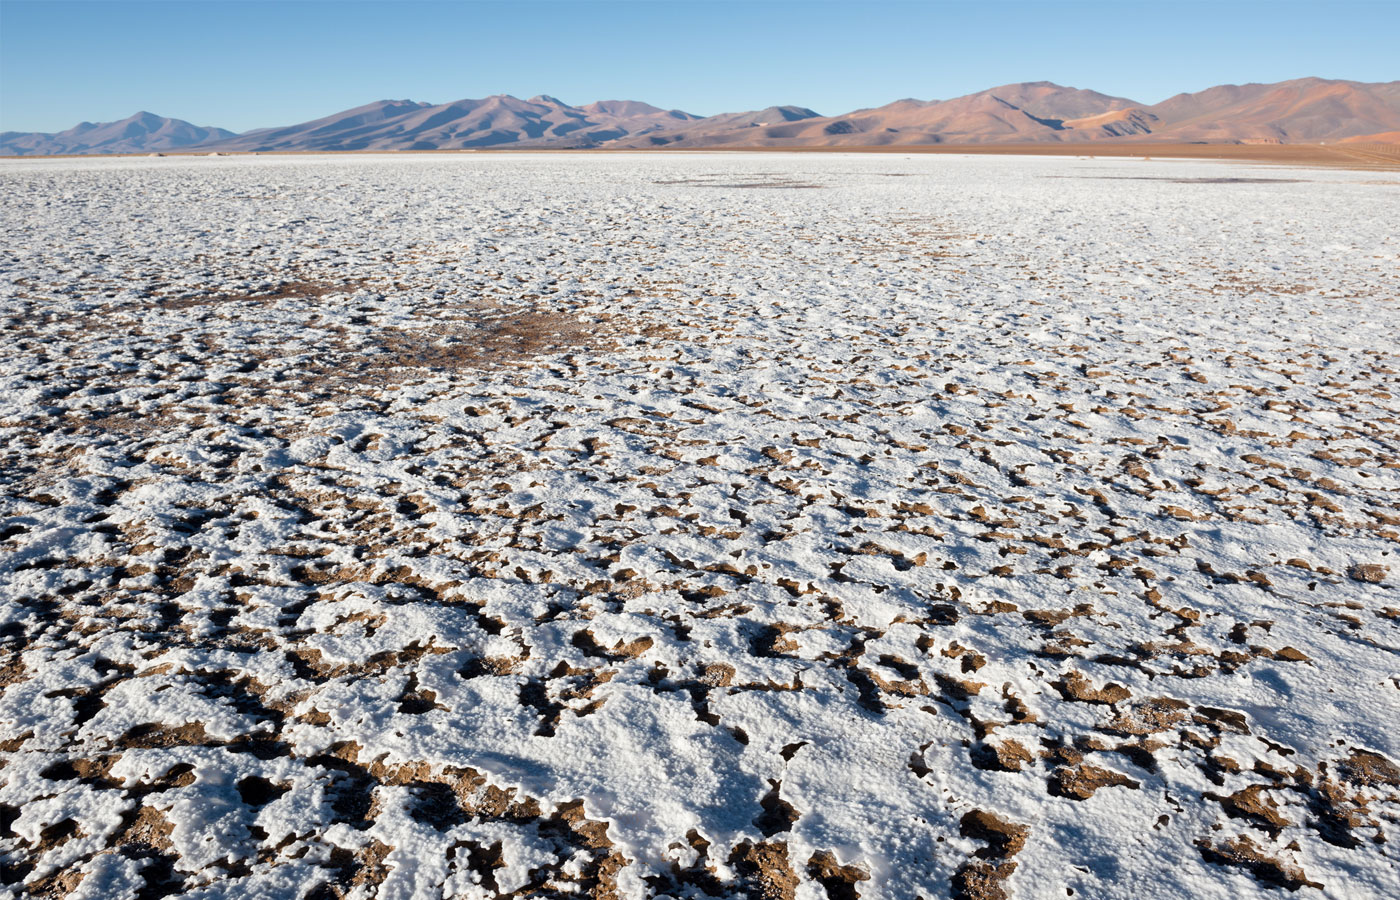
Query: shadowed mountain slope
[495,121]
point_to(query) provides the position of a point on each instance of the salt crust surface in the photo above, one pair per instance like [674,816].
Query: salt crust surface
[853,495]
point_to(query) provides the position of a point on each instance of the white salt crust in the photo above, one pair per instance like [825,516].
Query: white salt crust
[855,495]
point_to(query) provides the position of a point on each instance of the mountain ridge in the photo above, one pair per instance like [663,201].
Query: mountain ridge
[143,132]
[1303,110]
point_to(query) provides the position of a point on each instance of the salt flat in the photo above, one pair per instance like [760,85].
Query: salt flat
[808,526]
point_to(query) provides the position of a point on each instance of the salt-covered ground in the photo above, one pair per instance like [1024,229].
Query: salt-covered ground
[783,526]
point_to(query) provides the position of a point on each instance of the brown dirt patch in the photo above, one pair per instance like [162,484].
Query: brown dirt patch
[1080,782]
[269,293]
[1075,686]
[1252,804]
[1368,573]
[1243,853]
[1366,769]
[766,868]
[838,880]
[505,337]
[1153,716]
[981,880]
[1004,839]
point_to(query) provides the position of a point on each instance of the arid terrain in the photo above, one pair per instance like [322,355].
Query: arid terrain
[1349,155]
[786,526]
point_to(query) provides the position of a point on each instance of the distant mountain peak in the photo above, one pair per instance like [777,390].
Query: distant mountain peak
[621,107]
[141,132]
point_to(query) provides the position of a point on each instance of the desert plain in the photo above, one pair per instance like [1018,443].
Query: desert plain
[786,526]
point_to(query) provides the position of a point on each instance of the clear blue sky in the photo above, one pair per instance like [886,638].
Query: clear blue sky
[245,64]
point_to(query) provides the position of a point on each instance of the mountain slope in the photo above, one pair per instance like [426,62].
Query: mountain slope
[495,121]
[639,117]
[142,133]
[721,125]
[1305,110]
[1302,110]
[1014,112]
[340,131]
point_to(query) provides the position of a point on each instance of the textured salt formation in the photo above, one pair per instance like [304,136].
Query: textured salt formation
[643,526]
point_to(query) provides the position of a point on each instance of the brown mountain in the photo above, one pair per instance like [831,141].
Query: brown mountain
[1034,111]
[496,121]
[1306,110]
[725,127]
[636,116]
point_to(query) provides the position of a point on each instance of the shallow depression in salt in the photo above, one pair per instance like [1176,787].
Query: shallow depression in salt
[788,526]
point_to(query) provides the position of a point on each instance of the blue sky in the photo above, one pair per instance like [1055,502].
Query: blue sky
[247,64]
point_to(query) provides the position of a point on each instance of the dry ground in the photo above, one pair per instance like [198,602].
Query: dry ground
[719,525]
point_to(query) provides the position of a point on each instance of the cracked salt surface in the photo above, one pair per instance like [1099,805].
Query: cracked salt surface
[634,526]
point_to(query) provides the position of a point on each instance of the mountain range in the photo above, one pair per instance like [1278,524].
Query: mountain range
[142,133]
[1305,110]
